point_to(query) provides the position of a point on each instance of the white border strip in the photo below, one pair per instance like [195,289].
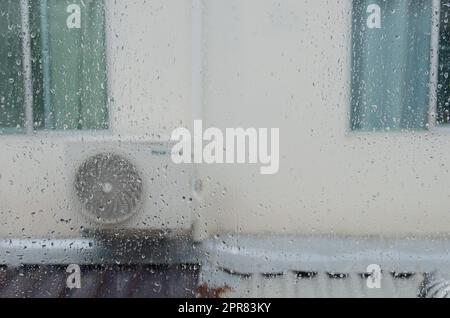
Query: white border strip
[334,254]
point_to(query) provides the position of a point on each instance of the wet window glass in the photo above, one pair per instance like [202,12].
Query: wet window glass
[391,62]
[65,52]
[12,113]
[224,149]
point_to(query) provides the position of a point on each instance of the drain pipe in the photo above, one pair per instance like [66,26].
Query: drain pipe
[197,98]
[197,59]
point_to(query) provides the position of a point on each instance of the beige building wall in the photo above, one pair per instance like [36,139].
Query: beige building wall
[287,64]
[266,63]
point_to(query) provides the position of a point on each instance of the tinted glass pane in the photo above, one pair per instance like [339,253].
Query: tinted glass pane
[69,56]
[391,58]
[11,74]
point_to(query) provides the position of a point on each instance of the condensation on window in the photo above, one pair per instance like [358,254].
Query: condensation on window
[224,148]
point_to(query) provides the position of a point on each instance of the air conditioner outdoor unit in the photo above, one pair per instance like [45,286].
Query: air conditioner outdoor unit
[128,184]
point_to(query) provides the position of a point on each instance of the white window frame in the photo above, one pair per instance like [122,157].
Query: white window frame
[434,67]
[27,66]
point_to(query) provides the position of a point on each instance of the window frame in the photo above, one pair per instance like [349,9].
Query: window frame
[434,126]
[433,82]
[434,69]
[28,129]
[27,67]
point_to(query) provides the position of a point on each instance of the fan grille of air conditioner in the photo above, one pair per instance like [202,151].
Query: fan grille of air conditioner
[109,187]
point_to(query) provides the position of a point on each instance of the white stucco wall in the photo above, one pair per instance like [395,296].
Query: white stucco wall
[267,63]
[286,64]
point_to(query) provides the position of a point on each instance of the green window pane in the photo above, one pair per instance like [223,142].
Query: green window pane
[390,68]
[443,104]
[12,115]
[70,88]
